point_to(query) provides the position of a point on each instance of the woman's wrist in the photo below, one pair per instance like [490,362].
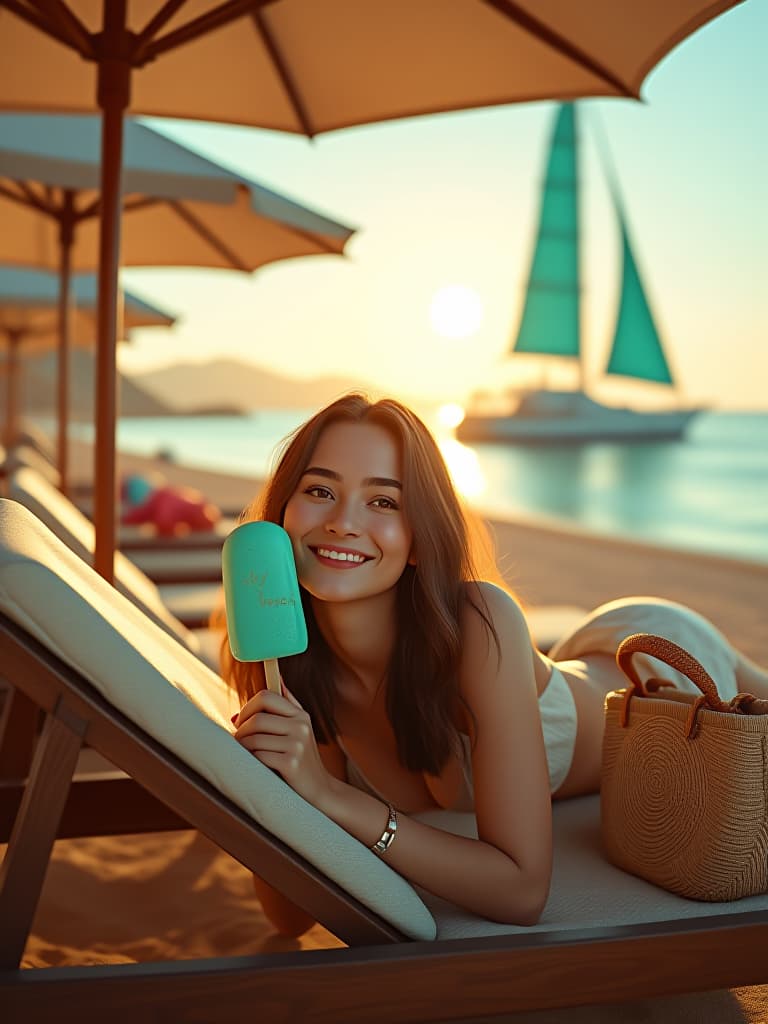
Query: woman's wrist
[362,815]
[331,800]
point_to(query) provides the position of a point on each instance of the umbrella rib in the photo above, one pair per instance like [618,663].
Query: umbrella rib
[33,199]
[154,25]
[217,18]
[319,241]
[26,196]
[138,202]
[91,210]
[31,17]
[282,70]
[559,43]
[215,243]
[10,194]
[64,25]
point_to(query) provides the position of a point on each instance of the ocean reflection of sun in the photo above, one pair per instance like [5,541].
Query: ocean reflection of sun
[450,415]
[467,476]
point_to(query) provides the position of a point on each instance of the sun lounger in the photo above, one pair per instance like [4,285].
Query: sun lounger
[163,564]
[68,523]
[98,669]
[139,537]
[181,610]
[26,454]
[178,564]
[32,436]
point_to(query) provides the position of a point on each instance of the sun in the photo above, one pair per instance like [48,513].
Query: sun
[455,311]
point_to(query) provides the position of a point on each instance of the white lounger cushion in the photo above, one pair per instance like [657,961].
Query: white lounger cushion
[587,891]
[168,606]
[70,525]
[139,669]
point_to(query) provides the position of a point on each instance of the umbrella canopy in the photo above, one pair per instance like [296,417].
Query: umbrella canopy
[307,66]
[178,209]
[28,319]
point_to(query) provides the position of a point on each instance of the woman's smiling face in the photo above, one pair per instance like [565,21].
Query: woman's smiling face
[351,538]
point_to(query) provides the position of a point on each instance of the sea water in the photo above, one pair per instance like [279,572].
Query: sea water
[708,492]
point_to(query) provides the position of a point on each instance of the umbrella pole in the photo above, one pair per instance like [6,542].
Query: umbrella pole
[66,236]
[12,369]
[113,97]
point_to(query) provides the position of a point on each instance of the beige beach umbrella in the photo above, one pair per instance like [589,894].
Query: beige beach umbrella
[307,66]
[179,209]
[29,323]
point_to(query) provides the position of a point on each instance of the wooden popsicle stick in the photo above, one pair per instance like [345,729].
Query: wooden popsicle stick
[272,672]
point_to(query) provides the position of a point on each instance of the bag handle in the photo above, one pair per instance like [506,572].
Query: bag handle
[674,656]
[678,658]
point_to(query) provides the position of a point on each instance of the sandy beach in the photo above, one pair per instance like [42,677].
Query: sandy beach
[176,896]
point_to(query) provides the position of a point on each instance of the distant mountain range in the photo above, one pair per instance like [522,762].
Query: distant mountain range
[218,387]
[38,389]
[238,386]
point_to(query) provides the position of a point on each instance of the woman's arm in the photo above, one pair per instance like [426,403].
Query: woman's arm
[505,874]
[513,803]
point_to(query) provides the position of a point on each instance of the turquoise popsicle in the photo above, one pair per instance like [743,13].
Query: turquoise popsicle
[265,618]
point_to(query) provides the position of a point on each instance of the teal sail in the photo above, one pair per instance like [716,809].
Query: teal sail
[636,349]
[550,319]
[550,325]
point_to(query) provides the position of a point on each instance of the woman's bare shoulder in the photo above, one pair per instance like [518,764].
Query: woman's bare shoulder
[486,603]
[495,640]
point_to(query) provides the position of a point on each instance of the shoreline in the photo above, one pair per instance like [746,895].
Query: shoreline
[705,496]
[549,563]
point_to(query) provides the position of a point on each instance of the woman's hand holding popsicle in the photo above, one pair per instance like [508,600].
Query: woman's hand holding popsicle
[278,731]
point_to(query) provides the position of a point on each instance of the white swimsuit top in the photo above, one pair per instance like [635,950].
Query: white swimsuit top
[558,722]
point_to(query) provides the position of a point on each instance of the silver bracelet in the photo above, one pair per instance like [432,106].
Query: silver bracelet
[387,836]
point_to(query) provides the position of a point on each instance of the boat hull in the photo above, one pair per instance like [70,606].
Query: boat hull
[623,425]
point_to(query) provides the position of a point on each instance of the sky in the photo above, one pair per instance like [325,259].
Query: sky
[451,202]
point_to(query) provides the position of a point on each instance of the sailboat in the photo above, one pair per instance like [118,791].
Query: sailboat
[550,326]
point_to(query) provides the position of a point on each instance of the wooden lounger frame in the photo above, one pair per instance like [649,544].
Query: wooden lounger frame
[382,977]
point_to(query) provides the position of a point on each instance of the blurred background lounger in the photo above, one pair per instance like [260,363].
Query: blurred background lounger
[26,453]
[93,663]
[181,610]
[23,454]
[162,563]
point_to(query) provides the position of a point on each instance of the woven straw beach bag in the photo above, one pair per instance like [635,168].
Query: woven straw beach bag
[684,793]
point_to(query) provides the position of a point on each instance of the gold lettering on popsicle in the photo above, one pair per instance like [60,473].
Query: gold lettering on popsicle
[254,579]
[259,580]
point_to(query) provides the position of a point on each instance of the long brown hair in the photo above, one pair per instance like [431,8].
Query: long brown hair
[422,680]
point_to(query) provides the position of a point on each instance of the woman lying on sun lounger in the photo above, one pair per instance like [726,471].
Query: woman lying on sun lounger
[421,687]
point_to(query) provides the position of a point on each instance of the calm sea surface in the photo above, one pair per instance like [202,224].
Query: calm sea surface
[707,493]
